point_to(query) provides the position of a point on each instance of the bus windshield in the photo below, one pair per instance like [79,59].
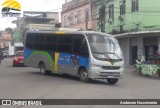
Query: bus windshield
[104,47]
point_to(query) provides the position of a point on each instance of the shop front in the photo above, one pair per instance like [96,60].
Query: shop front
[139,44]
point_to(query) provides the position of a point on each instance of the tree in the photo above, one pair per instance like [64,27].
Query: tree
[9,30]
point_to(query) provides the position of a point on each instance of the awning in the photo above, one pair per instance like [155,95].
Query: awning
[139,33]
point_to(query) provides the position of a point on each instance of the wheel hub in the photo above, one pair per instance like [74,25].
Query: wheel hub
[84,75]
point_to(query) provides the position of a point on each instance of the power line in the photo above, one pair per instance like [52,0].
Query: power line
[55,9]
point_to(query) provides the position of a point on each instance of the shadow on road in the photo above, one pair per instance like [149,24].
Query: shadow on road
[73,78]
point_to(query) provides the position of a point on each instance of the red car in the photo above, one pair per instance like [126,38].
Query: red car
[18,58]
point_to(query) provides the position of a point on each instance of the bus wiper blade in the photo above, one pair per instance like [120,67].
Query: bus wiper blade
[104,54]
[98,52]
[108,57]
[114,54]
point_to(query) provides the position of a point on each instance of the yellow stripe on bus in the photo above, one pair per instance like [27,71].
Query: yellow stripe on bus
[60,32]
[109,63]
[56,62]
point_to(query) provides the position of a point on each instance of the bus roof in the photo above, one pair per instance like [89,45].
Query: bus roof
[67,31]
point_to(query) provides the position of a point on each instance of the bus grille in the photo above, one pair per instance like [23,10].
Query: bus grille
[106,74]
[111,67]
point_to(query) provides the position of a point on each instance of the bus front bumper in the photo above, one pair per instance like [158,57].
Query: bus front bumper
[100,73]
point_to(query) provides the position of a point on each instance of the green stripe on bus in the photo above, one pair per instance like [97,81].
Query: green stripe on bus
[46,55]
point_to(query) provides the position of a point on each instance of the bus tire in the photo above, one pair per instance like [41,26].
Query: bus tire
[112,81]
[42,69]
[84,76]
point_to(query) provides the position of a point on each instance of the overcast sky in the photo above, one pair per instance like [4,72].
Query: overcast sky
[31,5]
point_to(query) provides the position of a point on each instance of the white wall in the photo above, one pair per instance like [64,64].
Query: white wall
[125,46]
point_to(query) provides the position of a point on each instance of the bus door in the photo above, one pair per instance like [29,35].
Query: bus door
[74,56]
[80,53]
[65,46]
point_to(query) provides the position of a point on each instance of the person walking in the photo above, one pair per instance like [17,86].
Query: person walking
[1,56]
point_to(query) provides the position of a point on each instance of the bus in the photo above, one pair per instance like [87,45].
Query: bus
[8,10]
[86,54]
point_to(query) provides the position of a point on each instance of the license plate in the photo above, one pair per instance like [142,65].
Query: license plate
[110,76]
[21,62]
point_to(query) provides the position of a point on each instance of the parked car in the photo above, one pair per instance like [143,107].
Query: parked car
[18,59]
[4,54]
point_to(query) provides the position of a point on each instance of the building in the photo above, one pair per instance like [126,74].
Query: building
[42,17]
[136,25]
[5,39]
[76,14]
[30,18]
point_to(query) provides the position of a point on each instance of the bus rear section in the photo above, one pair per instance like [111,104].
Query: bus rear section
[56,52]
[74,53]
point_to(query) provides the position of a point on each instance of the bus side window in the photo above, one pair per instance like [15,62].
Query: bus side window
[84,48]
[51,42]
[29,40]
[80,46]
[38,41]
[77,45]
[65,43]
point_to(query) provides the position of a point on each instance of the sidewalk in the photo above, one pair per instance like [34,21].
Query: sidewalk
[131,68]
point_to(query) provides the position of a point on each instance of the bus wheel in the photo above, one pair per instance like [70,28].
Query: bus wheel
[42,69]
[112,81]
[84,76]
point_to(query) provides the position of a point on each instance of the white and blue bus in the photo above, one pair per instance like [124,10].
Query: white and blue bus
[86,54]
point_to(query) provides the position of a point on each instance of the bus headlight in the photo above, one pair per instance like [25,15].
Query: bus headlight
[95,65]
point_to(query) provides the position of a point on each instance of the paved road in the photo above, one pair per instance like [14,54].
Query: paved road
[27,83]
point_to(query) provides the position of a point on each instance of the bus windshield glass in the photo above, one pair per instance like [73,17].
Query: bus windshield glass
[104,47]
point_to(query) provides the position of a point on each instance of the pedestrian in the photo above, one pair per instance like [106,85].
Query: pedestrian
[1,56]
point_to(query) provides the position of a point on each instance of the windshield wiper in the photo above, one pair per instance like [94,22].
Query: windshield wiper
[114,54]
[108,57]
[104,54]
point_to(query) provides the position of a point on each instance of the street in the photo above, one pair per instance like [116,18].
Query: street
[27,83]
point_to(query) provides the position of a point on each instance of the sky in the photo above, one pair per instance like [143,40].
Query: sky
[31,5]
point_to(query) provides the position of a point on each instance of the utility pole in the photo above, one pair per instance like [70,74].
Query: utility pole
[102,15]
[102,18]
[86,18]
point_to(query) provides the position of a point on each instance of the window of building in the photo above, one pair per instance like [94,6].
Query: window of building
[122,7]
[111,11]
[65,21]
[70,18]
[86,14]
[135,5]
[79,17]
